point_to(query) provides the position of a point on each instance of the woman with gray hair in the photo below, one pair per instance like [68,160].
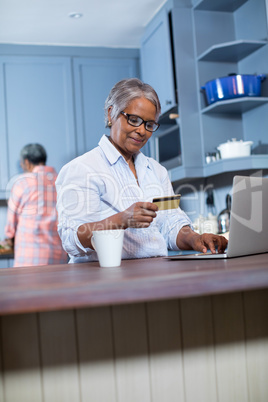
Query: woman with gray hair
[113,185]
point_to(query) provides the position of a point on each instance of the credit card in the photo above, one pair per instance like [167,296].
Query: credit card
[171,202]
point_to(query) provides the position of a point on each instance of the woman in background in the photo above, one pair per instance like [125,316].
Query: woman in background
[112,186]
[32,216]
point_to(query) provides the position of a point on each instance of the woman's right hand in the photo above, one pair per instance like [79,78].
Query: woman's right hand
[139,215]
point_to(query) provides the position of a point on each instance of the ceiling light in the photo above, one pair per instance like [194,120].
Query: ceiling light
[75,15]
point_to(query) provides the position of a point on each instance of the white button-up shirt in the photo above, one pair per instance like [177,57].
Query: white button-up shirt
[99,184]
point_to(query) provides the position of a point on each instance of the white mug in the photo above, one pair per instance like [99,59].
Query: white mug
[109,246]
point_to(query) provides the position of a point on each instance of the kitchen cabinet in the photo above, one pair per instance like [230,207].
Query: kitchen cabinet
[167,134]
[157,60]
[36,106]
[91,93]
[6,262]
[181,59]
[55,96]
[210,40]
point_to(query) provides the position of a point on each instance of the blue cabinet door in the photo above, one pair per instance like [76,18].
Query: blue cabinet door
[4,263]
[93,79]
[36,105]
[156,60]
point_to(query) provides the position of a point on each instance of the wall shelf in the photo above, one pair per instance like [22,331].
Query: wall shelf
[252,162]
[231,51]
[182,173]
[236,164]
[235,106]
[220,5]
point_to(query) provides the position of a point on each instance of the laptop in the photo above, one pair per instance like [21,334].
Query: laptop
[248,221]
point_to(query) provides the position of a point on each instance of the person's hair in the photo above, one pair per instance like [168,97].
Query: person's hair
[35,153]
[124,92]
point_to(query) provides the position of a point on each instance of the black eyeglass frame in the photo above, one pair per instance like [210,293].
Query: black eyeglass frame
[127,115]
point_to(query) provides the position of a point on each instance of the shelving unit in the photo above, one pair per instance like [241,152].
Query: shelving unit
[231,51]
[235,106]
[213,39]
[182,173]
[221,5]
[253,162]
[240,48]
[236,164]
[224,45]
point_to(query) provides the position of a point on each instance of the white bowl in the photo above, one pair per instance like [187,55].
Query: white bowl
[235,149]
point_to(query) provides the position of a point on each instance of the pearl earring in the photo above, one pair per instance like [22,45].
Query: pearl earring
[109,124]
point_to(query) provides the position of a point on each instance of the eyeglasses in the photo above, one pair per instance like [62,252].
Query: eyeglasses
[137,121]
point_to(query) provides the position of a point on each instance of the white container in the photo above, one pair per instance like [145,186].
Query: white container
[235,149]
[108,245]
[206,225]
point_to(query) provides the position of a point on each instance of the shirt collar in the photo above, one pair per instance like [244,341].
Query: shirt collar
[112,154]
[141,159]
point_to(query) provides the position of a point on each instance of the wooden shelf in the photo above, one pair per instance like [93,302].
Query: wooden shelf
[231,51]
[235,106]
[219,5]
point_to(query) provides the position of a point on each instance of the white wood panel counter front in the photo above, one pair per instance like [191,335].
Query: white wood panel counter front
[158,339]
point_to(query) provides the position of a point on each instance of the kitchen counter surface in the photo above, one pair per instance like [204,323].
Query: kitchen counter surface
[57,287]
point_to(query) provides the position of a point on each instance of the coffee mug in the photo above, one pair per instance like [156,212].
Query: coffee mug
[108,245]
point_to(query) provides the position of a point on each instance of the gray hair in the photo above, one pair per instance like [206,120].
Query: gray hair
[124,92]
[35,153]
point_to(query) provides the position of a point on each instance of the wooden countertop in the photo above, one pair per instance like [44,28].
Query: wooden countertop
[56,287]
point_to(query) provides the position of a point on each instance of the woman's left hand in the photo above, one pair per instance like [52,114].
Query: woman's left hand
[187,239]
[210,241]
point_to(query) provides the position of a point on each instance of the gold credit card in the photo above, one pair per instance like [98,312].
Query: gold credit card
[171,202]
